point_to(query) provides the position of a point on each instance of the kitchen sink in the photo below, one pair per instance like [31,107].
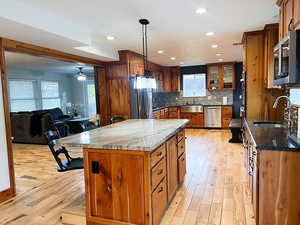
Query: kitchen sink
[269,124]
[192,108]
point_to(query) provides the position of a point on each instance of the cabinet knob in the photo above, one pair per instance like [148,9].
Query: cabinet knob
[160,172]
[109,188]
[161,189]
[159,154]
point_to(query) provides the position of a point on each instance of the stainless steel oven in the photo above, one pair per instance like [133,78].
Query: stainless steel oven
[287,60]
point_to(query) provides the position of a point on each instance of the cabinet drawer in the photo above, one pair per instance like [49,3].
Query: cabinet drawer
[158,154]
[181,147]
[181,168]
[158,173]
[173,115]
[180,135]
[159,202]
[173,109]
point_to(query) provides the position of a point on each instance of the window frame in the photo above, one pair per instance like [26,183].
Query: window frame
[205,85]
[34,98]
[48,98]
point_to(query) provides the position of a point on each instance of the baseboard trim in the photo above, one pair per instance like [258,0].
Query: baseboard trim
[6,195]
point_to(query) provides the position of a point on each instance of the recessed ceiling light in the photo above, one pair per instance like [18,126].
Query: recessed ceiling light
[219,54]
[214,46]
[173,58]
[201,11]
[160,51]
[110,38]
[220,60]
[210,33]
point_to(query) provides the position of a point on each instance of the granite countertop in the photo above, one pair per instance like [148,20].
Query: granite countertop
[137,134]
[204,105]
[271,138]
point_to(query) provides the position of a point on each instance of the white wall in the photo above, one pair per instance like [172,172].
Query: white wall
[4,169]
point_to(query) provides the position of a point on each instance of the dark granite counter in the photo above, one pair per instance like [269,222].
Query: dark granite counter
[271,138]
[204,105]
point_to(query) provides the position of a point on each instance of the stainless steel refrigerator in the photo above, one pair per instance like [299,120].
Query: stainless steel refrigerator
[141,101]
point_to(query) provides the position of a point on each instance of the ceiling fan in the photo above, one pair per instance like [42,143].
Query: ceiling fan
[80,75]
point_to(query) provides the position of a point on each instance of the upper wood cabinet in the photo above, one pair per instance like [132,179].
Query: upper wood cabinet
[289,17]
[271,39]
[171,79]
[221,76]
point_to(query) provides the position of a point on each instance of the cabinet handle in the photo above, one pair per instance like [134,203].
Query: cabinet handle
[161,189]
[109,188]
[182,159]
[159,154]
[160,172]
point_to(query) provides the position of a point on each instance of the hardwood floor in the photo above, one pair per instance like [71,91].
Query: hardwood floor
[214,191]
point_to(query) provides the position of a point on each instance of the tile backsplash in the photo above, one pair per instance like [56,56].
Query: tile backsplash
[176,98]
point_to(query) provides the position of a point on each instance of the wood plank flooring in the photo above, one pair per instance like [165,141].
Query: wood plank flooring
[214,191]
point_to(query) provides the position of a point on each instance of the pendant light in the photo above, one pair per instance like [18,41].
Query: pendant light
[146,80]
[81,76]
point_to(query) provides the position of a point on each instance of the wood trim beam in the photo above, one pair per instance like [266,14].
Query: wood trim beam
[12,191]
[18,46]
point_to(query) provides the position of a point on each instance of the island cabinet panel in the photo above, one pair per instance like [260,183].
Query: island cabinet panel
[113,193]
[172,167]
[159,201]
[181,167]
[132,187]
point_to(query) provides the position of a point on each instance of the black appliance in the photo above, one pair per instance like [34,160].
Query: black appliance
[287,60]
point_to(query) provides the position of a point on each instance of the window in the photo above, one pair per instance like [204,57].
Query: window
[194,85]
[21,94]
[91,99]
[50,94]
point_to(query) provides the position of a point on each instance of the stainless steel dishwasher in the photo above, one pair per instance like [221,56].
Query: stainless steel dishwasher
[212,115]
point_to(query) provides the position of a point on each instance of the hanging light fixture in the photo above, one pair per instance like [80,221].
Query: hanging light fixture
[145,80]
[81,76]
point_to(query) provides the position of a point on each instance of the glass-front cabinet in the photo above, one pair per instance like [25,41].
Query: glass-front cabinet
[221,76]
[213,81]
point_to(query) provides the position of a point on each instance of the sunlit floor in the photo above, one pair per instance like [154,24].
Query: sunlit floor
[214,191]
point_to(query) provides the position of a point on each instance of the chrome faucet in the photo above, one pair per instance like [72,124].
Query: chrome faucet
[289,106]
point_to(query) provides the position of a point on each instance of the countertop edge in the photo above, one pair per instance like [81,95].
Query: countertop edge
[109,147]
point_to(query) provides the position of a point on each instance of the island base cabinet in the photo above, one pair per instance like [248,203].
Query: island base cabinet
[181,168]
[159,202]
[172,167]
[127,187]
[114,191]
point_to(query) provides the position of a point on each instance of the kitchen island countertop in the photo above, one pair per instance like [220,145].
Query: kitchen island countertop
[136,134]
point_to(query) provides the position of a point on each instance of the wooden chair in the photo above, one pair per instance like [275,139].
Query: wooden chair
[63,165]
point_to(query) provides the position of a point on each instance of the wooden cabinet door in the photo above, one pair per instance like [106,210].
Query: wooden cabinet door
[175,79]
[281,21]
[198,120]
[159,202]
[181,167]
[255,192]
[297,14]
[136,69]
[288,15]
[167,79]
[172,167]
[112,190]
[213,77]
[228,77]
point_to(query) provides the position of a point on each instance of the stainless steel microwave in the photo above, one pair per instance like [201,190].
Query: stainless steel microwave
[287,60]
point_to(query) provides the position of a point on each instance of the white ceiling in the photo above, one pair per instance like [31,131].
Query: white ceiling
[174,26]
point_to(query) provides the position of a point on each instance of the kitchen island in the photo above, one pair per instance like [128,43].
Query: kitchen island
[132,170]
